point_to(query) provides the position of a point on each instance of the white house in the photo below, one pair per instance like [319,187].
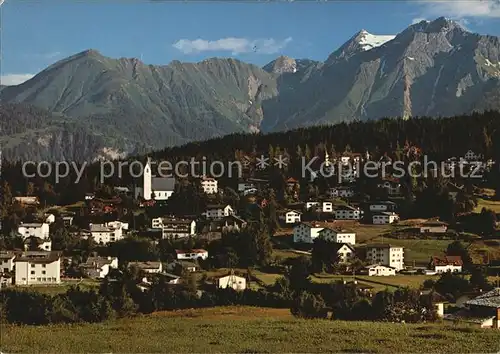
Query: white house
[345,252]
[472,156]
[327,207]
[385,254]
[232,281]
[38,267]
[392,188]
[290,216]
[385,218]
[380,270]
[40,230]
[157,188]
[103,234]
[382,206]
[117,225]
[435,226]
[148,267]
[174,228]
[99,267]
[192,254]
[446,264]
[50,218]
[217,212]
[306,232]
[7,261]
[312,204]
[209,185]
[342,192]
[347,212]
[338,236]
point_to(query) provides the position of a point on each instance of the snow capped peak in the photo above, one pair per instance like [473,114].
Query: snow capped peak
[369,41]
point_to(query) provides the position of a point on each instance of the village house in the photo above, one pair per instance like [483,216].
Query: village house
[192,254]
[443,264]
[68,220]
[385,254]
[327,207]
[174,228]
[289,216]
[217,212]
[157,188]
[40,230]
[312,204]
[346,212]
[209,185]
[99,206]
[245,186]
[7,261]
[232,223]
[434,226]
[345,252]
[472,156]
[292,183]
[482,311]
[26,200]
[104,233]
[182,265]
[232,281]
[37,244]
[306,232]
[379,270]
[89,196]
[338,235]
[37,267]
[382,206]
[98,267]
[393,188]
[385,218]
[50,218]
[341,192]
[148,267]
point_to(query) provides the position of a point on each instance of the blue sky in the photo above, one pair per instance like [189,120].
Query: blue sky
[36,34]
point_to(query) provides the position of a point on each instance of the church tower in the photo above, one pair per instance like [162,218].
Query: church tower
[146,180]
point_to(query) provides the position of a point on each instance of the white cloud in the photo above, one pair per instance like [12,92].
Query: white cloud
[15,79]
[459,9]
[233,45]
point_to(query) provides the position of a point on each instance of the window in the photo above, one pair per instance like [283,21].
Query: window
[32,266]
[32,272]
[44,266]
[43,272]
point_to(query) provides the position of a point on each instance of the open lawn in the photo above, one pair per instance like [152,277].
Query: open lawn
[412,281]
[245,330]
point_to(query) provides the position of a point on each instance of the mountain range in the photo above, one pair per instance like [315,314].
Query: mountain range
[88,106]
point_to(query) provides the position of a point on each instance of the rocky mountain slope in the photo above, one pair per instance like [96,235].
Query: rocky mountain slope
[123,105]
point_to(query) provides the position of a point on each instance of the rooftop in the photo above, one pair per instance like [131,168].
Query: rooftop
[447,260]
[489,299]
[198,250]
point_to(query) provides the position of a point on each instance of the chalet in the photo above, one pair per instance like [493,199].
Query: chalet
[289,216]
[443,264]
[148,267]
[98,267]
[26,200]
[338,235]
[482,311]
[7,261]
[345,252]
[385,218]
[341,192]
[232,281]
[192,254]
[34,243]
[392,187]
[434,226]
[382,206]
[174,228]
[346,212]
[306,232]
[37,267]
[218,211]
[106,233]
[40,230]
[232,222]
[209,185]
[379,270]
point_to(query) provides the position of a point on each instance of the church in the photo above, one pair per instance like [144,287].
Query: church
[157,188]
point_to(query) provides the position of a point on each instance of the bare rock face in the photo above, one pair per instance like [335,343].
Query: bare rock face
[283,65]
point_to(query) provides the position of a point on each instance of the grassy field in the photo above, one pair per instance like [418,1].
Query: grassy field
[60,288]
[245,330]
